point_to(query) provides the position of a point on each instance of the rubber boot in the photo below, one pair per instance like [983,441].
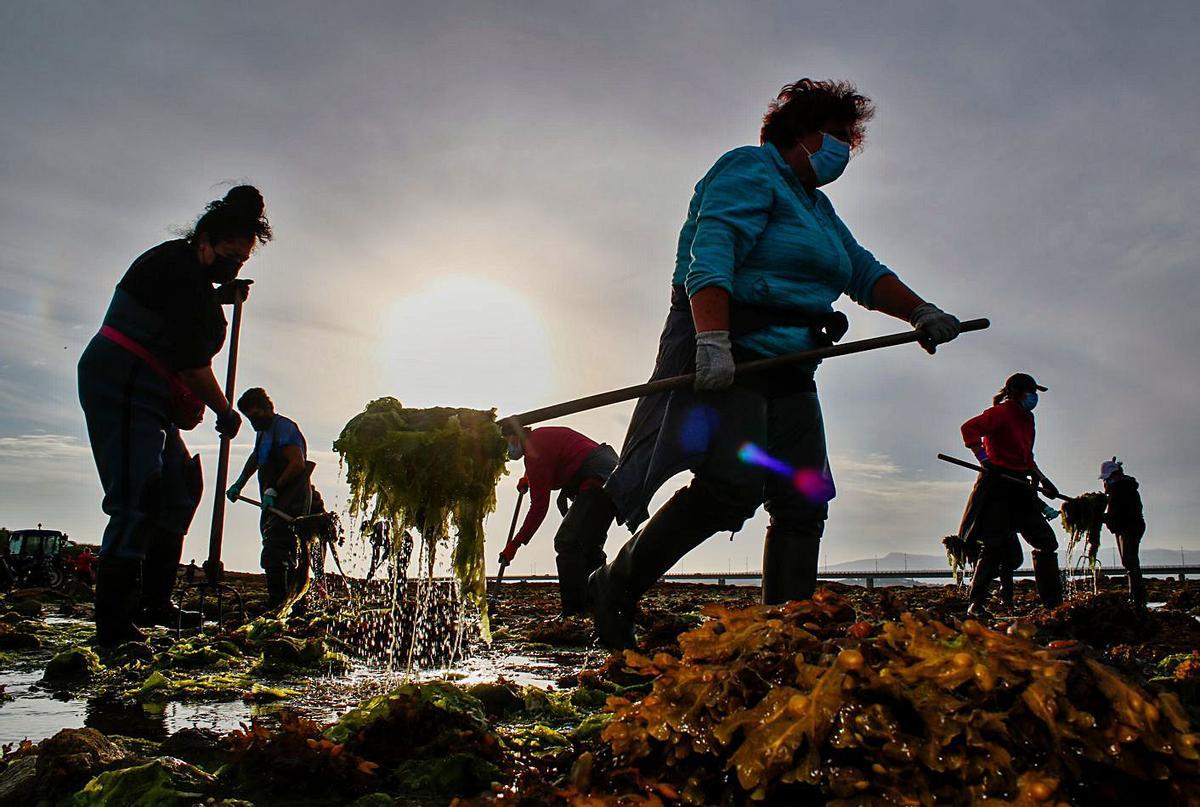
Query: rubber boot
[680,525]
[1137,588]
[572,583]
[277,586]
[790,559]
[981,581]
[160,571]
[1007,590]
[580,546]
[118,591]
[1047,578]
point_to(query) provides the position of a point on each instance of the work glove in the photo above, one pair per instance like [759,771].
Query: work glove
[1049,488]
[235,490]
[714,361]
[935,326]
[509,552]
[234,291]
[523,485]
[228,423]
[269,497]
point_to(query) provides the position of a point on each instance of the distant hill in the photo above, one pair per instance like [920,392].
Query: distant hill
[900,561]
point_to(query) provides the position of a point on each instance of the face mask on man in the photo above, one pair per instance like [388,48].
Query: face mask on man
[515,451]
[830,160]
[1029,400]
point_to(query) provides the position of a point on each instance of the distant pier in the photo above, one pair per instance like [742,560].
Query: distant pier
[868,578]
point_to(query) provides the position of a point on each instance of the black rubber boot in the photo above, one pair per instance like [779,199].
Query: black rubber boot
[680,525]
[1047,578]
[1007,589]
[580,546]
[1137,587]
[277,586]
[981,579]
[160,571]
[118,591]
[790,559]
[572,583]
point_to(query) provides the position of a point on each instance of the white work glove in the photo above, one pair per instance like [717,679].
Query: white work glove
[714,361]
[935,325]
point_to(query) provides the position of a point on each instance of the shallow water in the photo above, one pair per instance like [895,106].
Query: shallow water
[35,714]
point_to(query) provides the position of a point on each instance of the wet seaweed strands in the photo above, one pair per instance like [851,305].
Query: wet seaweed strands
[430,470]
[1082,518]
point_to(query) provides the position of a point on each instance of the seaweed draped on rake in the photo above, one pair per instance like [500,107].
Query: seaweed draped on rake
[433,470]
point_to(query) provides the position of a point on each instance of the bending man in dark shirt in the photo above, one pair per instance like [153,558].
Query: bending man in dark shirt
[280,457]
[558,458]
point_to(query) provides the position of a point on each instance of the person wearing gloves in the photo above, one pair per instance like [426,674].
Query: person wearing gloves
[1124,518]
[558,458]
[145,376]
[762,257]
[280,457]
[1001,503]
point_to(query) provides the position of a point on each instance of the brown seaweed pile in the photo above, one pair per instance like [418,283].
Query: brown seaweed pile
[801,703]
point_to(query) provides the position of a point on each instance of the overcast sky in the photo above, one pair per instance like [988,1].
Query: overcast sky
[478,204]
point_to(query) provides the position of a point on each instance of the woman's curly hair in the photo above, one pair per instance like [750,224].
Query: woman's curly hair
[239,215]
[807,105]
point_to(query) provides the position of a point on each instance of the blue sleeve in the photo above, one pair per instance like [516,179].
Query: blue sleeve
[288,434]
[865,268]
[734,208]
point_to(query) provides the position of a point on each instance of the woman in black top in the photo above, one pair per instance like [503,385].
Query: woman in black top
[146,374]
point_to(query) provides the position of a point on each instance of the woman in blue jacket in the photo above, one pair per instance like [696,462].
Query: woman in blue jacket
[145,375]
[762,257]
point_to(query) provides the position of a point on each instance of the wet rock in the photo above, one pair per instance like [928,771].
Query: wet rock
[199,746]
[163,782]
[18,782]
[374,800]
[31,609]
[17,640]
[562,633]
[453,775]
[499,698]
[10,618]
[71,757]
[73,667]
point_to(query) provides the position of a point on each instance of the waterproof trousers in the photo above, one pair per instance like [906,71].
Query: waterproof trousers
[152,485]
[1129,541]
[761,444]
[280,545]
[1001,508]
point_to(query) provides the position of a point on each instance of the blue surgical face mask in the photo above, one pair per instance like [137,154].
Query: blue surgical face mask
[515,451]
[1029,401]
[830,160]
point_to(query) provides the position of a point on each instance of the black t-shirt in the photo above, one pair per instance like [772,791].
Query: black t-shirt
[169,281]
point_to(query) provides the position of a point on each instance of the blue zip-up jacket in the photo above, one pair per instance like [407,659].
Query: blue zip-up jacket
[755,231]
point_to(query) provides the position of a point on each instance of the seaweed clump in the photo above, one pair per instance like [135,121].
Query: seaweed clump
[432,470]
[1082,518]
[784,705]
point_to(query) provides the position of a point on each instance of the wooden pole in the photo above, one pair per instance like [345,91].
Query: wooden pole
[683,381]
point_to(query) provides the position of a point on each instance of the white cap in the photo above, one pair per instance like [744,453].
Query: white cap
[1108,468]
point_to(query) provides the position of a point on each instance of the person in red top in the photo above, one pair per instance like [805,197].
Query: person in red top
[1002,440]
[558,458]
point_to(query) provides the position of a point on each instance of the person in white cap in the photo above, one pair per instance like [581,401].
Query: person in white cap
[1125,519]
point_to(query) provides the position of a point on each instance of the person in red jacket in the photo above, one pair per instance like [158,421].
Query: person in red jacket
[1002,440]
[558,458]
